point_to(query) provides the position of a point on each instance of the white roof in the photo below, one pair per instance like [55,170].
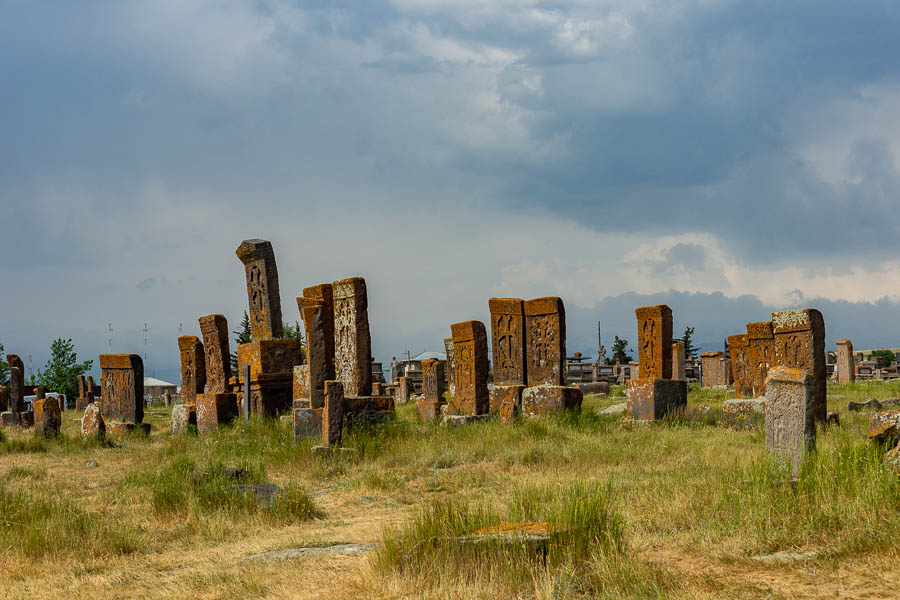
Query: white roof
[153,382]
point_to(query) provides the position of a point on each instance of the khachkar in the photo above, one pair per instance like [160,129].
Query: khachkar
[451,375]
[193,368]
[790,415]
[16,402]
[122,390]
[324,293]
[678,361]
[715,371]
[655,394]
[270,357]
[216,405]
[317,370]
[352,341]
[508,344]
[845,367]
[800,344]
[740,365]
[545,360]
[433,387]
[471,364]
[761,354]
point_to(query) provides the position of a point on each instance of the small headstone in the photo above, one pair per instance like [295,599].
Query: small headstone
[544,400]
[472,367]
[92,423]
[790,415]
[182,416]
[870,404]
[845,366]
[740,365]
[193,368]
[218,357]
[122,387]
[47,416]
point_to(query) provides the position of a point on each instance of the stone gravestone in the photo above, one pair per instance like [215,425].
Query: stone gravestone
[712,366]
[655,394]
[450,370]
[800,344]
[122,388]
[16,384]
[472,366]
[433,387]
[47,416]
[333,414]
[740,365]
[761,354]
[352,342]
[193,368]
[678,361]
[262,288]
[92,423]
[216,404]
[790,415]
[545,341]
[404,390]
[845,367]
[313,313]
[301,386]
[4,398]
[324,293]
[508,343]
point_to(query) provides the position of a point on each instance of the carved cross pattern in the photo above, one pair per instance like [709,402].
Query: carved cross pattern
[465,372]
[254,281]
[507,333]
[648,344]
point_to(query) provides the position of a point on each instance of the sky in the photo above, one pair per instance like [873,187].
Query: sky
[726,158]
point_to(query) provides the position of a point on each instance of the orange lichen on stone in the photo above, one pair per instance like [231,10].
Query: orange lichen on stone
[193,367]
[122,387]
[760,354]
[508,340]
[262,288]
[472,368]
[545,341]
[654,341]
[800,344]
[740,365]
[352,340]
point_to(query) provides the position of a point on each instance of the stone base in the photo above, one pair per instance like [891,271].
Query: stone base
[543,400]
[307,423]
[183,416]
[457,420]
[429,410]
[270,393]
[269,356]
[653,399]
[214,410]
[120,429]
[368,409]
[505,400]
[745,406]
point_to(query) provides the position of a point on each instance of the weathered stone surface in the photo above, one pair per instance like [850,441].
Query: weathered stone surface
[324,293]
[885,427]
[508,340]
[451,368]
[16,383]
[368,410]
[262,288]
[545,341]
[472,368]
[47,416]
[506,401]
[433,383]
[334,550]
[352,341]
[713,371]
[316,351]
[333,414]
[271,393]
[6,419]
[193,367]
[596,387]
[790,415]
[679,360]
[307,423]
[122,387]
[218,355]
[744,406]
[459,420]
[845,365]
[655,341]
[800,344]
[183,415]
[615,409]
[870,404]
[214,409]
[301,389]
[740,365]
[119,429]
[429,409]
[544,400]
[269,356]
[4,398]
[761,354]
[653,399]
[404,390]
[82,403]
[92,423]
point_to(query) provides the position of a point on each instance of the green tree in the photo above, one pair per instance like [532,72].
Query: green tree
[242,336]
[293,332]
[620,351]
[4,367]
[688,340]
[887,355]
[61,372]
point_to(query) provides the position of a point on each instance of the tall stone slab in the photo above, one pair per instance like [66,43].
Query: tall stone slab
[352,341]
[472,367]
[846,367]
[712,366]
[218,357]
[324,293]
[451,369]
[791,405]
[262,288]
[545,341]
[679,372]
[16,383]
[740,365]
[433,388]
[193,368]
[122,387]
[761,354]
[313,314]
[333,414]
[508,340]
[655,341]
[800,344]
[4,398]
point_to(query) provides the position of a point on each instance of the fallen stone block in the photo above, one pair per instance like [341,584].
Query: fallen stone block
[459,420]
[544,400]
[884,427]
[653,399]
[870,404]
[596,387]
[744,406]
[615,409]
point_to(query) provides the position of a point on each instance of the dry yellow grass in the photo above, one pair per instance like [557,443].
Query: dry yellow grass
[694,499]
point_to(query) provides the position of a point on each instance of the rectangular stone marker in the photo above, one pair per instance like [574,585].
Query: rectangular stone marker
[678,361]
[352,342]
[433,388]
[846,367]
[122,387]
[653,399]
[193,368]
[545,400]
[790,415]
[333,414]
[800,344]
[301,387]
[313,314]
[16,384]
[214,409]
[451,369]
[472,367]
[545,341]
[712,365]
[218,357]
[324,293]
[740,365]
[4,398]
[508,340]
[47,416]
[654,341]
[262,288]
[761,354]
[404,390]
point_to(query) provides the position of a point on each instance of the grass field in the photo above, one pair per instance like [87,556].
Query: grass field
[675,509]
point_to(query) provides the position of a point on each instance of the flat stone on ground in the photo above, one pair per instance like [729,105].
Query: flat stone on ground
[335,550]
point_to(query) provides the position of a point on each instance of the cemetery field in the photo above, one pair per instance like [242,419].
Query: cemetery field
[672,509]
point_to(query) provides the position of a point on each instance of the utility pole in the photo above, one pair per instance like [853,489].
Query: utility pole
[109,341]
